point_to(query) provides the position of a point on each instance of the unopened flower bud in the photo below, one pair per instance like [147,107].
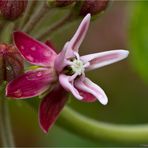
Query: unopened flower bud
[93,7]
[12,9]
[11,63]
[60,3]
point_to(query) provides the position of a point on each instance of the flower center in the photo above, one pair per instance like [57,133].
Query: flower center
[77,66]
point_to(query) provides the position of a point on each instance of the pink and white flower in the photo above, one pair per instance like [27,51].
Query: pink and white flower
[60,73]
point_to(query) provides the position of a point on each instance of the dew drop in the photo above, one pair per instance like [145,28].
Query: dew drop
[29,57]
[46,53]
[33,48]
[22,47]
[39,74]
[31,77]
[18,93]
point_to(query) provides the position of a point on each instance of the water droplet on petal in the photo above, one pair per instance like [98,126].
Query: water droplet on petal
[30,58]
[47,53]
[22,47]
[33,48]
[31,77]
[18,93]
[39,74]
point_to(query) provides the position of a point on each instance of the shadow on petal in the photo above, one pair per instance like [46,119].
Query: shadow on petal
[51,106]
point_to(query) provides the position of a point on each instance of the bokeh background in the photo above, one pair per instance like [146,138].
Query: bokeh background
[125,82]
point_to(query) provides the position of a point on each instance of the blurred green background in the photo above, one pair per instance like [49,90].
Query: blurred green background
[124,25]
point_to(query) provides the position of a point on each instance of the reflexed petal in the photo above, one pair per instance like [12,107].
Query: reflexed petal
[88,86]
[87,97]
[67,85]
[30,84]
[73,45]
[78,37]
[34,51]
[51,106]
[104,58]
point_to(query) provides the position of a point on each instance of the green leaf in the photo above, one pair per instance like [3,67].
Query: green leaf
[138,37]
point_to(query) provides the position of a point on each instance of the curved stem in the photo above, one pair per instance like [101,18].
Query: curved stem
[96,130]
[36,17]
[56,26]
[5,126]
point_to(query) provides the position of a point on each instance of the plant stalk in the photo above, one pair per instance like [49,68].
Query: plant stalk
[36,17]
[56,26]
[89,128]
[96,130]
[30,8]
[5,125]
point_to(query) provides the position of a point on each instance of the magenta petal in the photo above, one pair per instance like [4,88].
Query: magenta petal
[78,37]
[30,84]
[34,51]
[89,87]
[50,45]
[87,97]
[101,59]
[51,106]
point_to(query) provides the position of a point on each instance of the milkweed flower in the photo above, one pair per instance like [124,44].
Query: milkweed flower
[60,73]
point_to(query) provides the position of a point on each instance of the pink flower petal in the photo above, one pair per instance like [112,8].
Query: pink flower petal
[73,45]
[34,51]
[78,37]
[68,85]
[60,61]
[101,59]
[89,87]
[30,84]
[51,106]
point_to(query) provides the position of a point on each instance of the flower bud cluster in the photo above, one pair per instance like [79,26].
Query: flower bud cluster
[93,7]
[11,63]
[85,6]
[12,9]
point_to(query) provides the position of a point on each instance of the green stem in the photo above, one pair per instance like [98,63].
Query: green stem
[36,17]
[56,26]
[96,130]
[6,32]
[5,126]
[3,23]
[30,8]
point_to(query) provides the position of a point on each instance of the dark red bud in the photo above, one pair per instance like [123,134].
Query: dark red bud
[63,3]
[93,6]
[12,9]
[11,63]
